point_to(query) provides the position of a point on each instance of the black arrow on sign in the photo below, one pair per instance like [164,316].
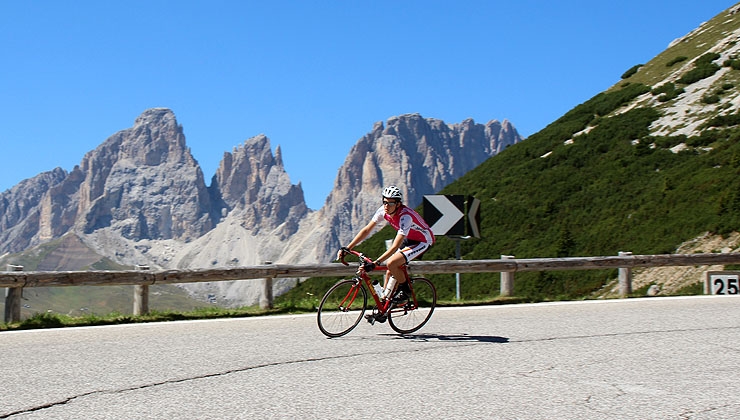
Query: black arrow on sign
[445,214]
[473,217]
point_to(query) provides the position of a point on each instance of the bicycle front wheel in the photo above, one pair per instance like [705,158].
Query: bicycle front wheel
[342,308]
[414,314]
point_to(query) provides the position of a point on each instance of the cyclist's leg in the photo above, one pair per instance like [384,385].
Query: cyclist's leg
[413,250]
[385,278]
[396,262]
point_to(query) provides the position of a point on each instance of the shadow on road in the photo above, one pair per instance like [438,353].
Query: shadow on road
[455,337]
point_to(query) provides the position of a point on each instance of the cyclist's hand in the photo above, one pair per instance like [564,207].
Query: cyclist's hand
[341,253]
[368,266]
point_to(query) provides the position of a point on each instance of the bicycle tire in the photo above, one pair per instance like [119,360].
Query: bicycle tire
[414,314]
[340,309]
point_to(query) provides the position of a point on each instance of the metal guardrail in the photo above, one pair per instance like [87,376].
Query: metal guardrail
[507,264]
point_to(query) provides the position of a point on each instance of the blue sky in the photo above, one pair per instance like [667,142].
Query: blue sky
[313,76]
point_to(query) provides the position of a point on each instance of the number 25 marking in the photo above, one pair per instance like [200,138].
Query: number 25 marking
[733,286]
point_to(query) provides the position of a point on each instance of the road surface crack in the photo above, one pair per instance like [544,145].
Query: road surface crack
[70,399]
[622,334]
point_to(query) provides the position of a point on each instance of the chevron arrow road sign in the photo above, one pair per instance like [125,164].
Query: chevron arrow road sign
[452,215]
[445,214]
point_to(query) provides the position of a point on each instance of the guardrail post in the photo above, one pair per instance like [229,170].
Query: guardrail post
[13,299]
[507,279]
[625,277]
[266,298]
[141,295]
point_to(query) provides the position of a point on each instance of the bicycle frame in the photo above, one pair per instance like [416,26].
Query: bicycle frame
[362,277]
[345,303]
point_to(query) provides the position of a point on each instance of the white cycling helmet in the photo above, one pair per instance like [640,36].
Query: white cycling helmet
[392,192]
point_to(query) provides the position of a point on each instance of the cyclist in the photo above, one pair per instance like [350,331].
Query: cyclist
[414,237]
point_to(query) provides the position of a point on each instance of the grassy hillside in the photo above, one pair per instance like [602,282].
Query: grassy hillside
[613,189]
[598,181]
[682,51]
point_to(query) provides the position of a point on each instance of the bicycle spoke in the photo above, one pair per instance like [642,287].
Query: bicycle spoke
[414,314]
[342,308]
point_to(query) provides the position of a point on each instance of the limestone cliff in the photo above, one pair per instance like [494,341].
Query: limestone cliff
[419,155]
[140,197]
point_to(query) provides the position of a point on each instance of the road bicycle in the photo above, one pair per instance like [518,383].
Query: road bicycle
[344,304]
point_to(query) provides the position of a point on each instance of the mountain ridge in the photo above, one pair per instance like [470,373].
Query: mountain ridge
[140,198]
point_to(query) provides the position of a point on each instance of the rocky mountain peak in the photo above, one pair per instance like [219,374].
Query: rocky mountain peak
[140,183]
[253,182]
[419,155]
[144,183]
[20,210]
[154,117]
[155,139]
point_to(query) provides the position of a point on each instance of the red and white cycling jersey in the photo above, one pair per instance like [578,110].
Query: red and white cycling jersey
[408,222]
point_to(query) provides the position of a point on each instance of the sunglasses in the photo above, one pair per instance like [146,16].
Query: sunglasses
[389,203]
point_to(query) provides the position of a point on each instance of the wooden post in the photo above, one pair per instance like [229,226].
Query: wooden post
[141,295]
[266,298]
[13,299]
[507,279]
[625,277]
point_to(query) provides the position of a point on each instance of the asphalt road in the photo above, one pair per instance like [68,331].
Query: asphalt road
[657,358]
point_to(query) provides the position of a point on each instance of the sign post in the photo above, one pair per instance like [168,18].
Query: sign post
[454,216]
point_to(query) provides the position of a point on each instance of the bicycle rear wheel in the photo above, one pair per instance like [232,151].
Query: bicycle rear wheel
[342,307]
[414,314]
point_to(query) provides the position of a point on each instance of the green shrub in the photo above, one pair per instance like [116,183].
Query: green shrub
[703,67]
[706,59]
[667,91]
[690,290]
[632,70]
[664,88]
[666,142]
[732,63]
[677,60]
[42,320]
[724,120]
[698,141]
[698,73]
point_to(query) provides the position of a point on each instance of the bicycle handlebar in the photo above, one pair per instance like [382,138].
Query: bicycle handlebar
[366,262]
